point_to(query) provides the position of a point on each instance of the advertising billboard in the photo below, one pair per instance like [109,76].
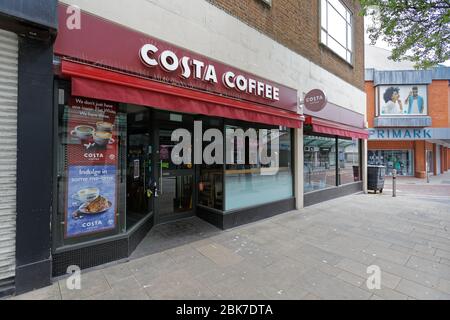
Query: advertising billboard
[402,100]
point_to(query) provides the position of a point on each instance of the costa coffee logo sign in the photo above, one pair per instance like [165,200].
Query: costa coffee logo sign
[190,68]
[315,100]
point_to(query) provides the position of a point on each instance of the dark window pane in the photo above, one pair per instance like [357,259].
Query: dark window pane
[401,160]
[210,187]
[254,184]
[349,161]
[319,169]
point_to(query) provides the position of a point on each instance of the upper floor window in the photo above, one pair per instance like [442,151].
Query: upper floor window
[268,2]
[337,28]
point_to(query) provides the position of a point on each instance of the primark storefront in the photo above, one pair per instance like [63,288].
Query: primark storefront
[408,115]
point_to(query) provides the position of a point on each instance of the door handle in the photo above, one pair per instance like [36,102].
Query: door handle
[160,177]
[155,189]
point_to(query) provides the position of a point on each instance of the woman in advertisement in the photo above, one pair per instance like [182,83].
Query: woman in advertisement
[393,103]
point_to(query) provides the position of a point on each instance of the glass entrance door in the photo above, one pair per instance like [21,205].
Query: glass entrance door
[176,197]
[139,171]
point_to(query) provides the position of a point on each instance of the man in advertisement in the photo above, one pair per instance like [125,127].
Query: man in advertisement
[415,102]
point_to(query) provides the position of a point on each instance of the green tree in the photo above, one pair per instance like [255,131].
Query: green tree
[417,30]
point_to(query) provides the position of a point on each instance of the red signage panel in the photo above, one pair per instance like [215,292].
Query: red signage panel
[109,44]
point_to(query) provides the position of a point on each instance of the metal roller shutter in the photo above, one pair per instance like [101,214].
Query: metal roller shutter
[8,151]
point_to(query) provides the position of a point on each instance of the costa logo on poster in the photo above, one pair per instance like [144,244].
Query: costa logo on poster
[193,68]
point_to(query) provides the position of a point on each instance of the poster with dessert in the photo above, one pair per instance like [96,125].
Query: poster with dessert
[92,159]
[91,205]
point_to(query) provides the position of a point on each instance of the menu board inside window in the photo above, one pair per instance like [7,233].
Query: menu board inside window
[92,167]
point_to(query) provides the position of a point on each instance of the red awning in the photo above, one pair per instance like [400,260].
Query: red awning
[336,129]
[98,83]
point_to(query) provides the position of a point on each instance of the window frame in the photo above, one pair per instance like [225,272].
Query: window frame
[60,243]
[338,184]
[351,24]
[336,160]
[360,150]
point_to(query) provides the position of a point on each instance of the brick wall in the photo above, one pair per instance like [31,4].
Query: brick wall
[443,157]
[296,25]
[419,159]
[447,159]
[370,102]
[438,103]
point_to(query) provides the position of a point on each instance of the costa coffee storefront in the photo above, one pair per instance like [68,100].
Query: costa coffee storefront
[333,139]
[119,101]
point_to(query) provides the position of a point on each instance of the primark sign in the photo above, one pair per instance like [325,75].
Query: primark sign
[409,134]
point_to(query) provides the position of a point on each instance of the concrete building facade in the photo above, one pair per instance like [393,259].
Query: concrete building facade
[126,75]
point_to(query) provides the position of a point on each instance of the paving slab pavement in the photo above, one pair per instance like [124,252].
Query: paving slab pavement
[320,252]
[438,186]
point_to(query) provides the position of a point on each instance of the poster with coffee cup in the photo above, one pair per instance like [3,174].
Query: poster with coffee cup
[92,156]
[91,205]
[92,135]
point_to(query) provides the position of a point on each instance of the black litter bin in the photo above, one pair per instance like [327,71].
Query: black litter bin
[375,178]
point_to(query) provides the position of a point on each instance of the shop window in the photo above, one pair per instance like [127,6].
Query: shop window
[401,160]
[248,184]
[104,165]
[211,186]
[211,191]
[330,162]
[337,28]
[319,169]
[349,161]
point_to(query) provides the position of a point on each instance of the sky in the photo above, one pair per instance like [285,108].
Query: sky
[384,45]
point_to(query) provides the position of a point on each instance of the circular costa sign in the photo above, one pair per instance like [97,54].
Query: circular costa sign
[315,100]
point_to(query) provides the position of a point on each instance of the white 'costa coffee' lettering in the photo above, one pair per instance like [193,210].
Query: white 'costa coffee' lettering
[169,61]
[193,68]
[251,86]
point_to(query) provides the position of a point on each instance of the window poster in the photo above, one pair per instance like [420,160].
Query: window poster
[92,205]
[92,159]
